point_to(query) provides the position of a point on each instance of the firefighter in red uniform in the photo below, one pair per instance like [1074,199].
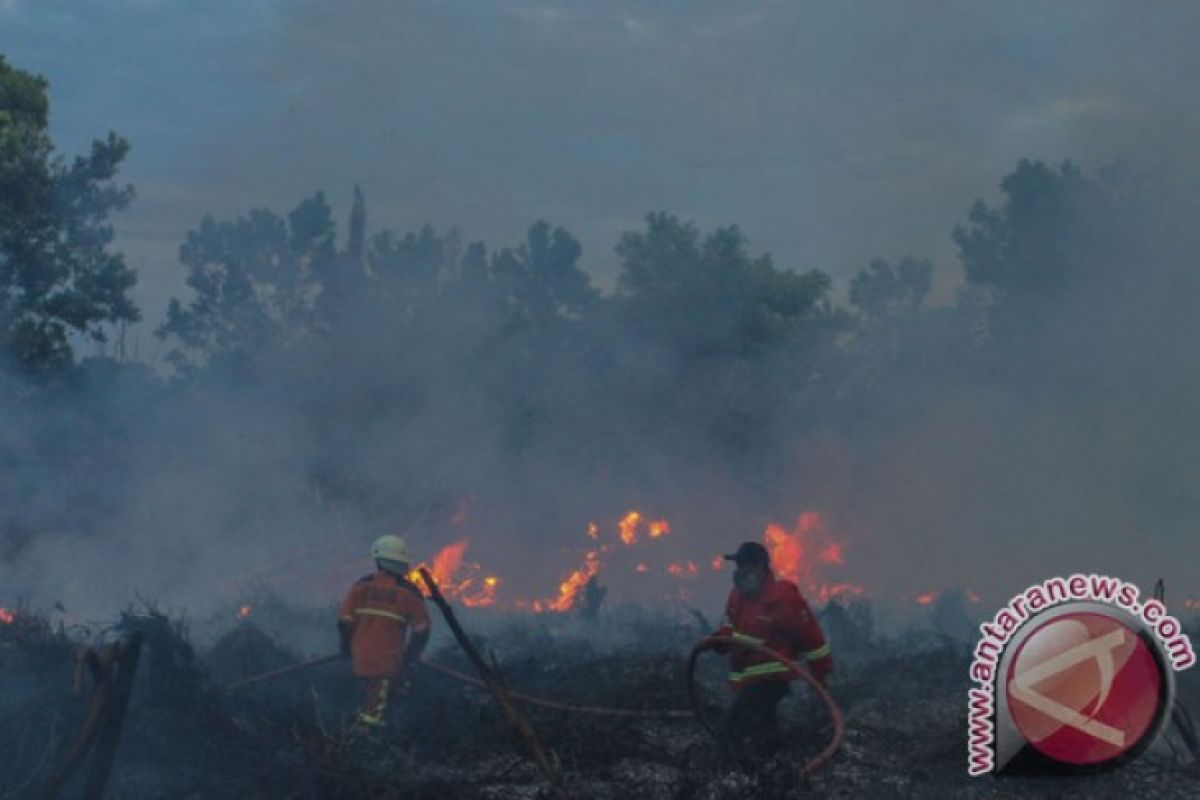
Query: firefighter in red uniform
[383,626]
[763,609]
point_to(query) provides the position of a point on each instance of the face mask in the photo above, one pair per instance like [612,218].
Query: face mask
[748,581]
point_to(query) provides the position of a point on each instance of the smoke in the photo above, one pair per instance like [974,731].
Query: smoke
[833,134]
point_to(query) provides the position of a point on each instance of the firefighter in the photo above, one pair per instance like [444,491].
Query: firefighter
[383,626]
[764,609]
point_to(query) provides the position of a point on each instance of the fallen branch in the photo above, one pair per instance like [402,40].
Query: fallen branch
[125,662]
[112,670]
[496,686]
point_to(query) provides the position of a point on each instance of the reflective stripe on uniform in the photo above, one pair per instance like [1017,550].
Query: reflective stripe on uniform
[379,612]
[769,668]
[820,652]
[743,637]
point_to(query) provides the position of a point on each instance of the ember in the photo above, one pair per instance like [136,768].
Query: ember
[7,617]
[243,612]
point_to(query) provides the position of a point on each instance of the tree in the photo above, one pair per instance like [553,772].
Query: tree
[256,281]
[343,279]
[709,297]
[58,277]
[900,349]
[1056,232]
[542,277]
[407,268]
[883,290]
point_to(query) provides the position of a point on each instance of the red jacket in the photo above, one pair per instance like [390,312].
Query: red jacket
[776,616]
[385,615]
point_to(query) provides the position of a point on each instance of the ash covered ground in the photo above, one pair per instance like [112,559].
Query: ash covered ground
[187,737]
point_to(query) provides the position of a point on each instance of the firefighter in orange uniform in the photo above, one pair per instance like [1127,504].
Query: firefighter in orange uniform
[383,626]
[764,609]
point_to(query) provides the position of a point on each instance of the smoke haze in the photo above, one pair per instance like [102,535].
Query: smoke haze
[1005,427]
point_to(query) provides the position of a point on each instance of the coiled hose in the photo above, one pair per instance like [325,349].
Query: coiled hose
[835,712]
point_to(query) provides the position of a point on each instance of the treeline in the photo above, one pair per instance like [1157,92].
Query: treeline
[397,369]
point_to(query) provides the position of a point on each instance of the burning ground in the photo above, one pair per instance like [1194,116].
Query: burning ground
[903,697]
[902,689]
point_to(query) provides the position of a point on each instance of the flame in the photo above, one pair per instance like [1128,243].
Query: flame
[572,586]
[475,593]
[926,598]
[831,554]
[628,527]
[838,591]
[681,568]
[462,581]
[571,589]
[7,617]
[446,562]
[243,612]
[718,562]
[786,551]
[789,548]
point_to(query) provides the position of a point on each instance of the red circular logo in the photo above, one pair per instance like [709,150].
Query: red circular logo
[1084,688]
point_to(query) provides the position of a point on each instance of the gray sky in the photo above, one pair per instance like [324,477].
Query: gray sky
[831,132]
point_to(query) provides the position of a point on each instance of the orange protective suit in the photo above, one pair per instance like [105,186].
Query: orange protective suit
[385,619]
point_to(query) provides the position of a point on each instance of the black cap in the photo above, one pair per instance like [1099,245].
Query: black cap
[750,552]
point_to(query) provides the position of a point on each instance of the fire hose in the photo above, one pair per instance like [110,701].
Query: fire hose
[835,712]
[697,711]
[558,705]
[473,681]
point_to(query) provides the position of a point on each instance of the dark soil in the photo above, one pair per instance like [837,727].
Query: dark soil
[186,737]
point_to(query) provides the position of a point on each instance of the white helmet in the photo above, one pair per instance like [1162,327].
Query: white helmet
[390,548]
